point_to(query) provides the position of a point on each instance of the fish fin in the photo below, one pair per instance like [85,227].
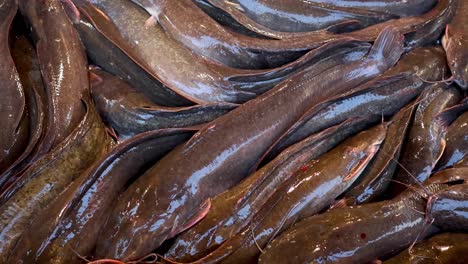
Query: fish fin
[443,144]
[111,132]
[195,218]
[94,79]
[388,46]
[380,82]
[445,38]
[339,204]
[447,116]
[71,11]
[151,22]
[345,26]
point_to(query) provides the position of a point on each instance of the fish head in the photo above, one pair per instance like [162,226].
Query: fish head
[457,56]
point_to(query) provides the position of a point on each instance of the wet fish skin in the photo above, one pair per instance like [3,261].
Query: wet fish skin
[26,63]
[455,43]
[129,112]
[43,181]
[431,31]
[14,131]
[377,175]
[83,208]
[409,25]
[449,208]
[191,76]
[235,208]
[63,65]
[426,143]
[375,230]
[445,247]
[252,81]
[384,95]
[215,42]
[456,149]
[286,19]
[228,163]
[106,48]
[309,192]
[226,19]
[400,7]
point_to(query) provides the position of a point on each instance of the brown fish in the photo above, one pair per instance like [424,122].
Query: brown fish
[376,177]
[43,181]
[310,191]
[30,75]
[358,234]
[14,131]
[63,66]
[286,19]
[235,208]
[455,43]
[426,143]
[232,85]
[449,208]
[449,248]
[130,113]
[399,7]
[80,212]
[230,48]
[183,181]
[384,95]
[456,148]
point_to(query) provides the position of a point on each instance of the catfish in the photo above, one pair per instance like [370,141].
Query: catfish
[14,131]
[287,19]
[130,113]
[29,72]
[455,43]
[176,67]
[441,248]
[370,231]
[238,47]
[234,209]
[81,211]
[113,54]
[426,139]
[430,32]
[456,149]
[310,191]
[43,181]
[450,207]
[63,65]
[241,85]
[377,175]
[400,7]
[384,95]
[228,48]
[182,193]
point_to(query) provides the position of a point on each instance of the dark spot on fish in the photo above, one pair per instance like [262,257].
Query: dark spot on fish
[304,168]
[363,235]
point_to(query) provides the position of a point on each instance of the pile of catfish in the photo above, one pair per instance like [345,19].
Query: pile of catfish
[233,131]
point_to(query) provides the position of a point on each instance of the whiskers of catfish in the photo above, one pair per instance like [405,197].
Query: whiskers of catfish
[448,81]
[148,259]
[428,219]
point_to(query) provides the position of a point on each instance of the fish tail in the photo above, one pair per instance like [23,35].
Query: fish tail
[388,46]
